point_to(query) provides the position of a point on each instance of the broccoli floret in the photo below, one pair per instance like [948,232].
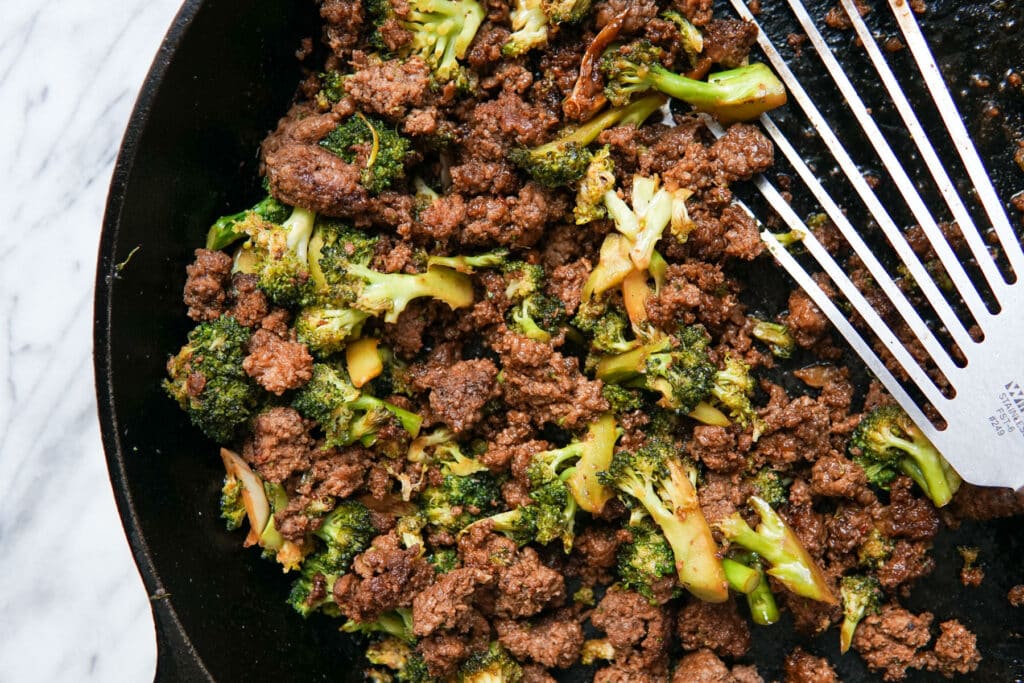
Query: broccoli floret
[770,486]
[389,651]
[887,441]
[556,513]
[529,28]
[774,541]
[232,504]
[654,477]
[644,223]
[777,336]
[396,623]
[442,31]
[598,179]
[622,399]
[459,501]
[692,40]
[609,330]
[279,256]
[444,560]
[596,649]
[735,95]
[327,330]
[492,666]
[450,458]
[875,549]
[862,595]
[566,158]
[732,387]
[346,414]
[332,89]
[339,267]
[538,317]
[386,152]
[470,264]
[678,368]
[565,11]
[229,229]
[519,524]
[226,396]
[646,564]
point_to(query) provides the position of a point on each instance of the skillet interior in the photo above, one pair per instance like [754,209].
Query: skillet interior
[218,84]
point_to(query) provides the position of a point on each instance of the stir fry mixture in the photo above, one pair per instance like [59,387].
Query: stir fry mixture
[484,380]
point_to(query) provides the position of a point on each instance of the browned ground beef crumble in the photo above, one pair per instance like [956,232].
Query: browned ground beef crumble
[507,397]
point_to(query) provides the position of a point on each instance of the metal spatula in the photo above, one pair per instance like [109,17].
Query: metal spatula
[981,430]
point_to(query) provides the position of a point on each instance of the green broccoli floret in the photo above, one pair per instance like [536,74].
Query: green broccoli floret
[622,399]
[607,328]
[470,264]
[886,442]
[386,152]
[678,368]
[345,532]
[225,397]
[327,330]
[646,564]
[444,560]
[492,666]
[875,549]
[449,457]
[692,39]
[654,478]
[442,31]
[396,623]
[566,158]
[565,11]
[346,414]
[538,317]
[332,88]
[389,651]
[529,28]
[232,505]
[228,229]
[732,387]
[598,179]
[774,541]
[339,268]
[644,223]
[861,595]
[777,336]
[459,501]
[519,524]
[770,486]
[279,255]
[735,95]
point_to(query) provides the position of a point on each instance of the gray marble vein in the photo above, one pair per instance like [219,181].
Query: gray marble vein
[72,606]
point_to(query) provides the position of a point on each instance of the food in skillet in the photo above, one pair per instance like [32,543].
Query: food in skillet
[485,384]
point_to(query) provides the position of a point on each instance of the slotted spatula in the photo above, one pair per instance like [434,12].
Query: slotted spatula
[981,431]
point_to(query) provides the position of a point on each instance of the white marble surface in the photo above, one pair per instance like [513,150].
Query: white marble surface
[72,606]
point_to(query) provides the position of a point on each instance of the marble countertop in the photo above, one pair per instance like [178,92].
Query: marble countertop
[72,605]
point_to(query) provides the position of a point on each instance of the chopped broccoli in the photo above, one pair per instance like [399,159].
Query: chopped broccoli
[458,501]
[450,458]
[777,336]
[332,89]
[763,609]
[622,399]
[566,158]
[654,477]
[875,549]
[491,666]
[232,503]
[862,595]
[385,150]
[519,524]
[742,578]
[735,95]
[565,11]
[790,562]
[529,28]
[646,564]
[470,264]
[346,414]
[732,387]
[394,653]
[327,330]
[444,560]
[538,317]
[598,179]
[678,368]
[887,441]
[692,40]
[595,455]
[608,331]
[644,223]
[228,229]
[596,649]
[770,486]
[339,267]
[226,396]
[442,31]
[279,255]
[396,623]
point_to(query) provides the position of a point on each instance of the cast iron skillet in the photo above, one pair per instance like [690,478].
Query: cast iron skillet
[222,77]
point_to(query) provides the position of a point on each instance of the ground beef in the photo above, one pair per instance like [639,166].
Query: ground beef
[718,627]
[810,617]
[802,667]
[447,603]
[516,221]
[526,586]
[798,431]
[206,287]
[248,302]
[390,88]
[716,448]
[546,385]
[695,292]
[804,320]
[908,562]
[277,364]
[697,11]
[533,673]
[742,236]
[336,473]
[1016,595]
[728,41]
[838,477]
[890,640]
[566,281]
[634,14]
[444,651]
[593,553]
[459,392]
[280,444]
[629,673]
[908,516]
[553,641]
[975,502]
[702,666]
[639,631]
[344,20]
[955,652]
[383,578]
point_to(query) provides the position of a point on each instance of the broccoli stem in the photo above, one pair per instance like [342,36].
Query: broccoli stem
[632,114]
[929,470]
[776,543]
[734,95]
[410,421]
[763,609]
[300,229]
[390,293]
[598,447]
[709,415]
[625,366]
[741,578]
